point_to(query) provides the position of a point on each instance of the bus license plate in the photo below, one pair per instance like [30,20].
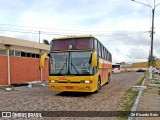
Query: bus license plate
[69,87]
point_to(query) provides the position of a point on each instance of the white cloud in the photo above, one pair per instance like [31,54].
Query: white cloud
[119,23]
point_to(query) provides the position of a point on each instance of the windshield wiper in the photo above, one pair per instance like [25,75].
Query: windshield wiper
[74,68]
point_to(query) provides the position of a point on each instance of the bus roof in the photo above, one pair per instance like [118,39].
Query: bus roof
[74,36]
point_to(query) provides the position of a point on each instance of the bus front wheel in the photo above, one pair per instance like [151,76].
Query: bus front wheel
[98,85]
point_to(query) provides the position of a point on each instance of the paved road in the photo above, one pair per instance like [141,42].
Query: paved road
[109,97]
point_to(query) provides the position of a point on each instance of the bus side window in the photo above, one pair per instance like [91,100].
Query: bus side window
[102,50]
[105,53]
[99,49]
[110,57]
[95,45]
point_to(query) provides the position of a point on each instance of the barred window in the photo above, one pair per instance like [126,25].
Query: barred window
[17,53]
[11,52]
[3,52]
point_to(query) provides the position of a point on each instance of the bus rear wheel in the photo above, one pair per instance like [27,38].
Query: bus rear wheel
[109,79]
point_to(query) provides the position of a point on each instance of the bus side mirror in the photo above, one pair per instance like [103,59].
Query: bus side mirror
[42,60]
[94,59]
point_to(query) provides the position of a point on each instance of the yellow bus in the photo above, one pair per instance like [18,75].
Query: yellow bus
[78,63]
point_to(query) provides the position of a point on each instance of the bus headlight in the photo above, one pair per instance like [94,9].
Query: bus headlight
[53,81]
[86,81]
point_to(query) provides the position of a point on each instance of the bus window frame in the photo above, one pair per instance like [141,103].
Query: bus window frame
[100,47]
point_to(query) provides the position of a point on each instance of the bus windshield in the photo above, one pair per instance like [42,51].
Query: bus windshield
[70,63]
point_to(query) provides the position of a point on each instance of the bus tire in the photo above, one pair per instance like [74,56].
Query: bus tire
[98,85]
[109,79]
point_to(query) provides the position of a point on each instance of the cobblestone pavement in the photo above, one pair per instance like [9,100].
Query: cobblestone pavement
[109,98]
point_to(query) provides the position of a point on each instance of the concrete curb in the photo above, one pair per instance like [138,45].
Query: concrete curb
[134,108]
[8,89]
[157,85]
[37,84]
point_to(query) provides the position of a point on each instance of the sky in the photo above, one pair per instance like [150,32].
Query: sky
[122,26]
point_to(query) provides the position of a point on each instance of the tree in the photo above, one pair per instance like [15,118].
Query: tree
[46,42]
[152,61]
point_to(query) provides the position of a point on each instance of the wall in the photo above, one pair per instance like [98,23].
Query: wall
[3,70]
[23,69]
[143,64]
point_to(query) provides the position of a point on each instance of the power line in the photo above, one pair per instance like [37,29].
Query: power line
[39,29]
[116,34]
[58,33]
[117,41]
[31,32]
[149,3]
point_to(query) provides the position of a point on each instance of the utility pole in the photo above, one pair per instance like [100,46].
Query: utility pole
[39,36]
[41,70]
[152,31]
[152,34]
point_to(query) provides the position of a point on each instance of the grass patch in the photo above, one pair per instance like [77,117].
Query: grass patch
[153,75]
[159,91]
[157,82]
[141,81]
[129,99]
[2,87]
[149,87]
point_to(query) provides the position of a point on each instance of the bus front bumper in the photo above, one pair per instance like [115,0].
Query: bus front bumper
[71,87]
